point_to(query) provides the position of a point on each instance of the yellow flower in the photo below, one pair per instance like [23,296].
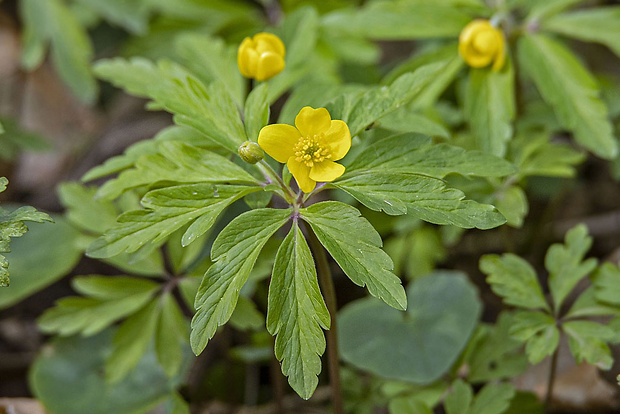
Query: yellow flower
[481,44]
[309,148]
[261,57]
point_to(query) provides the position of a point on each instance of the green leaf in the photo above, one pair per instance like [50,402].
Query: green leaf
[212,60]
[418,346]
[408,405]
[256,111]
[131,341]
[180,162]
[296,314]
[208,109]
[492,399]
[525,402]
[452,65]
[545,9]
[246,316]
[601,25]
[68,379]
[176,405]
[514,280]
[539,331]
[53,22]
[170,335]
[490,107]
[234,253]
[571,90]
[460,399]
[168,209]
[110,299]
[415,154]
[380,101]
[607,284]
[46,254]
[588,303]
[587,342]
[512,203]
[405,120]
[356,247]
[423,197]
[299,33]
[566,265]
[84,211]
[536,155]
[402,20]
[495,354]
[132,16]
[127,160]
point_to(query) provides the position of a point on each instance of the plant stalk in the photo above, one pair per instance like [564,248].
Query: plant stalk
[551,379]
[327,286]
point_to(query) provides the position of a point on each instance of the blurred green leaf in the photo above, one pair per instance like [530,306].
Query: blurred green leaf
[491,399]
[296,314]
[256,111]
[587,342]
[536,155]
[420,345]
[513,279]
[512,203]
[246,315]
[131,15]
[108,300]
[490,107]
[171,334]
[572,91]
[356,246]
[46,254]
[130,342]
[601,25]
[234,253]
[566,265]
[68,379]
[539,331]
[607,284]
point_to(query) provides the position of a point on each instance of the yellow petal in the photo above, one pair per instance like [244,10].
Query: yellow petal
[267,42]
[500,58]
[338,138]
[326,171]
[470,31]
[301,173]
[311,121]
[486,42]
[278,141]
[269,65]
[476,60]
[247,58]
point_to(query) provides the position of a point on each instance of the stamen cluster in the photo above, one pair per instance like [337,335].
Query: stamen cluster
[311,149]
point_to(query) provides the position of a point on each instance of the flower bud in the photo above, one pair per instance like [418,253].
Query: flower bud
[261,57]
[251,152]
[481,44]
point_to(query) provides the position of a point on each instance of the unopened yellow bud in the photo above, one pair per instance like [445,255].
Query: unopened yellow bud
[482,44]
[261,57]
[251,152]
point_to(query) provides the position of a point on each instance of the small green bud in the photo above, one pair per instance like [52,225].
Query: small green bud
[251,152]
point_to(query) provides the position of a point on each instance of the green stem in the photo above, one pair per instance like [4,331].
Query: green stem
[327,285]
[266,169]
[551,379]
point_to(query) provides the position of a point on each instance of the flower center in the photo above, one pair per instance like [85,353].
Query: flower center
[312,149]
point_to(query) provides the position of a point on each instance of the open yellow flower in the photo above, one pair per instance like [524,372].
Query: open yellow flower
[261,57]
[309,148]
[482,44]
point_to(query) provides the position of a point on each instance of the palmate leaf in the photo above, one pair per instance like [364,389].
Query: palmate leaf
[539,331]
[587,342]
[168,209]
[180,162]
[423,197]
[607,284]
[234,253]
[490,107]
[356,247]
[571,90]
[296,313]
